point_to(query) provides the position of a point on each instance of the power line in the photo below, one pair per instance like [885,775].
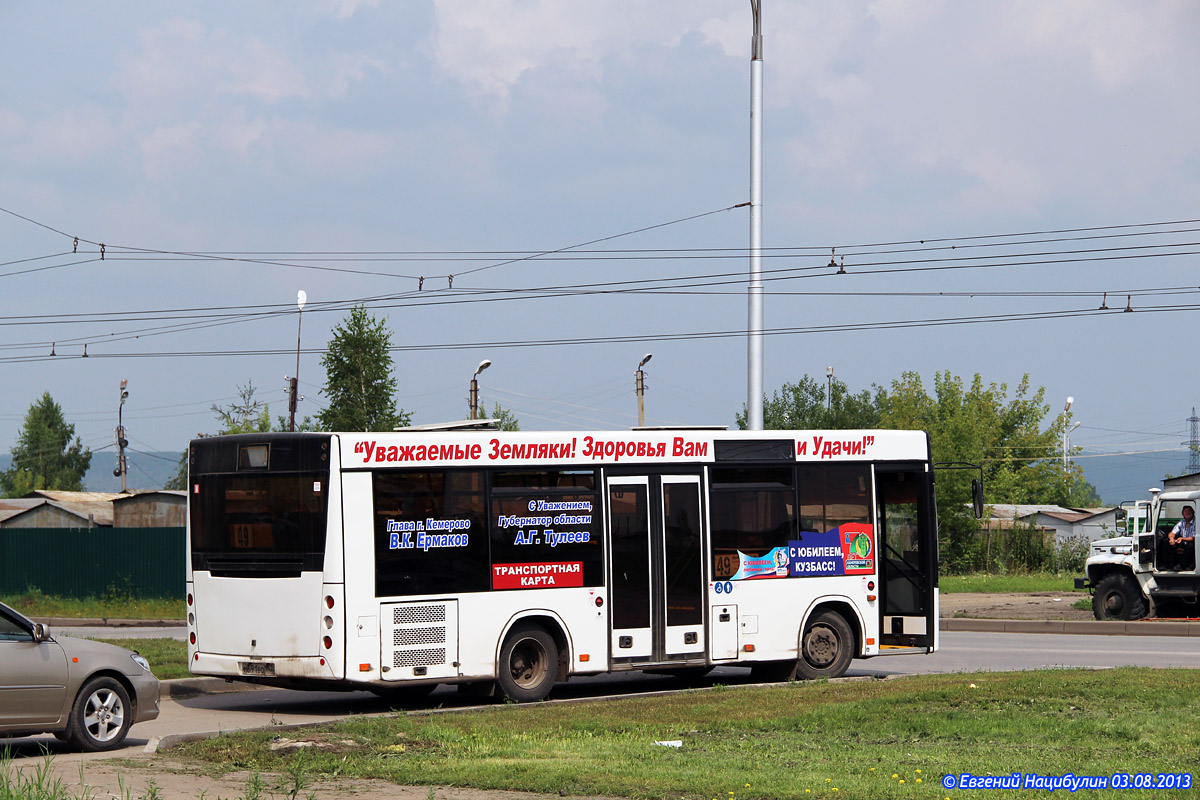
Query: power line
[650,337]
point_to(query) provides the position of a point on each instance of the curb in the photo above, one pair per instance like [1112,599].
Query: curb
[1141,627]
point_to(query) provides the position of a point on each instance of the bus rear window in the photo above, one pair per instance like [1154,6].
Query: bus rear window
[265,524]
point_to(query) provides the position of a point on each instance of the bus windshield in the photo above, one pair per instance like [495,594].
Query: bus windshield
[271,525]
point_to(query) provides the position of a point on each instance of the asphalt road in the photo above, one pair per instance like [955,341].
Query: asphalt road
[961,651]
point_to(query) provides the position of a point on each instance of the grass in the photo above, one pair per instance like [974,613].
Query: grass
[986,582]
[167,657]
[33,603]
[881,739]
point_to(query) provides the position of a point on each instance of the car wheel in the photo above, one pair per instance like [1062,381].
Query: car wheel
[101,716]
[1118,597]
[826,647]
[528,664]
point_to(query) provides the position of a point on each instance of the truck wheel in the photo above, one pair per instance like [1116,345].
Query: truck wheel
[528,664]
[826,647]
[1118,597]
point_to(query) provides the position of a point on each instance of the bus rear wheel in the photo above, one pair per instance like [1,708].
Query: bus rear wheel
[826,647]
[528,664]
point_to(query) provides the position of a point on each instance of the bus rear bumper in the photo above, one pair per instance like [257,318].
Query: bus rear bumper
[264,669]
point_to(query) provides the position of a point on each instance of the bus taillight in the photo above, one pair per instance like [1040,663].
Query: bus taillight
[192,637]
[328,641]
[329,601]
[189,598]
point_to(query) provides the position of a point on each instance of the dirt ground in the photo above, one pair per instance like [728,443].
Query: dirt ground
[160,776]
[1032,605]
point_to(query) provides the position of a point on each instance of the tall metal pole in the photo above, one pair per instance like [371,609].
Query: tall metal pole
[754,402]
[294,383]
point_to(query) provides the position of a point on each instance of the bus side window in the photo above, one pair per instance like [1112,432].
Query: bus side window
[753,512]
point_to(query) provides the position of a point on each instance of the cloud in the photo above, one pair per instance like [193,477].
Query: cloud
[344,9]
[489,45]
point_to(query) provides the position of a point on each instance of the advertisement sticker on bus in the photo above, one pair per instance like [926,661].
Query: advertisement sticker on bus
[846,550]
[537,576]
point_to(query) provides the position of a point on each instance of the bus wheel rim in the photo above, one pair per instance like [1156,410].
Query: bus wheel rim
[527,663]
[821,646]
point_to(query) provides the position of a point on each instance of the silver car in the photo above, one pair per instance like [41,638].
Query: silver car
[84,692]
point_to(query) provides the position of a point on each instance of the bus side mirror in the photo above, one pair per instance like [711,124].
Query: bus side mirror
[977,497]
[1119,517]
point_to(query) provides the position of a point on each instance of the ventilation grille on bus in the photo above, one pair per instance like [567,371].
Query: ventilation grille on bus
[419,658]
[418,615]
[407,637]
[420,635]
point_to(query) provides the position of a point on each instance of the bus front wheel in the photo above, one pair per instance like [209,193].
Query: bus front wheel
[826,647]
[528,664]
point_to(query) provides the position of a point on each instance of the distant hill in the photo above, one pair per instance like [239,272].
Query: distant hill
[146,470]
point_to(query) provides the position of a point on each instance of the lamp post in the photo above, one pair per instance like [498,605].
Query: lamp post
[474,400]
[122,442]
[640,383]
[829,389]
[294,381]
[754,404]
[1067,441]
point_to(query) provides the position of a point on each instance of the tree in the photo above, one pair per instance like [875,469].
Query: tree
[359,380]
[976,423]
[44,456]
[507,419]
[247,416]
[807,406]
[979,424]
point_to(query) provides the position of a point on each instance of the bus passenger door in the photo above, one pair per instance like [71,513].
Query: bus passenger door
[907,549]
[656,569]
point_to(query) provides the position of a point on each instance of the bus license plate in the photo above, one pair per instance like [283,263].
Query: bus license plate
[257,668]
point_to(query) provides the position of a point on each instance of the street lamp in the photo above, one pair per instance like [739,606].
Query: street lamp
[1067,441]
[829,389]
[754,348]
[475,387]
[640,383]
[1067,431]
[294,382]
[122,442]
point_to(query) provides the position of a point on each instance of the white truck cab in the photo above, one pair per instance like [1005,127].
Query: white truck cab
[1140,573]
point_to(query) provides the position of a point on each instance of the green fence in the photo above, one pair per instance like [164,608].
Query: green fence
[93,562]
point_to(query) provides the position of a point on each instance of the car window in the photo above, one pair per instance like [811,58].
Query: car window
[12,631]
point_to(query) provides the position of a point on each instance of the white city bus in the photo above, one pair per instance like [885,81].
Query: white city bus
[398,561]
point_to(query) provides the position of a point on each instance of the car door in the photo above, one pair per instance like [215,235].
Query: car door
[33,681]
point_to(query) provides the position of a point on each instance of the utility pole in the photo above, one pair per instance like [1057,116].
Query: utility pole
[122,442]
[294,382]
[1193,443]
[474,395]
[640,383]
[754,403]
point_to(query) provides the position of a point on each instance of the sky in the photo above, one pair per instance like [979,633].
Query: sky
[457,165]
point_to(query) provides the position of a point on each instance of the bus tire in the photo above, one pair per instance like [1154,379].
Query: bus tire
[826,647]
[1118,597]
[528,664]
